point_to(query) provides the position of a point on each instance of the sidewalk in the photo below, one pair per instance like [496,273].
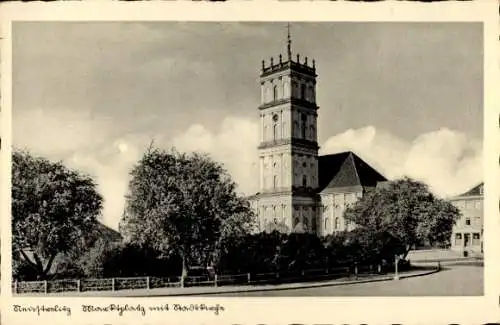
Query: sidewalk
[201,291]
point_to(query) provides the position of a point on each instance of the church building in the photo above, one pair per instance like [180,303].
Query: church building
[301,191]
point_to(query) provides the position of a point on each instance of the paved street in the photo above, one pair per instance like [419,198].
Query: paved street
[453,280]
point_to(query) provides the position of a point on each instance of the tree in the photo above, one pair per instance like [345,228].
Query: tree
[301,251]
[403,213]
[183,204]
[53,210]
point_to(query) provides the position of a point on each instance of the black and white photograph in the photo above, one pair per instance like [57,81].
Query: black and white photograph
[247,159]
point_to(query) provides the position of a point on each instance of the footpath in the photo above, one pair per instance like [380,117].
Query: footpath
[212,290]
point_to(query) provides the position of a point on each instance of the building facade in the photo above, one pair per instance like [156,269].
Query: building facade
[299,190]
[467,234]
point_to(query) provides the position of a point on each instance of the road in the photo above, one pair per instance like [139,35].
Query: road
[453,280]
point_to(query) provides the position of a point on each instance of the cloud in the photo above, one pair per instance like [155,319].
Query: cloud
[83,143]
[448,161]
[234,144]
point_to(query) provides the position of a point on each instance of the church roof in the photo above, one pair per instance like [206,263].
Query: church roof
[107,233]
[346,170]
[475,191]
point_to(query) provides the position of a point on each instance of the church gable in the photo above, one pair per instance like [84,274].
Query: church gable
[346,171]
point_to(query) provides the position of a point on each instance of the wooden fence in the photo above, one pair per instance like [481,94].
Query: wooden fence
[114,284]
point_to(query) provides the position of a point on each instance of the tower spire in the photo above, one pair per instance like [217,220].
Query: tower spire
[289,43]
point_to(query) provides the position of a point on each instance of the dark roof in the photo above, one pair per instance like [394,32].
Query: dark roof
[109,234]
[475,191]
[346,169]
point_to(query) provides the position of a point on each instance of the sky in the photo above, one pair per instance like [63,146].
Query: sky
[406,97]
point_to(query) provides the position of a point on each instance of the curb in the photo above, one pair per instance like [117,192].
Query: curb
[315,285]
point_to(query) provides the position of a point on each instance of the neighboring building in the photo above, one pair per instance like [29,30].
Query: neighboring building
[110,236]
[467,235]
[299,190]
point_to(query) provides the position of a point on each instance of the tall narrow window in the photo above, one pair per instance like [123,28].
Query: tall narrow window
[302,91]
[294,89]
[304,181]
[303,121]
[275,181]
[275,126]
[337,223]
[275,93]
[326,225]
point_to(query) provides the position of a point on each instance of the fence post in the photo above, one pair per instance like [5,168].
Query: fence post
[248,277]
[45,286]
[396,261]
[78,285]
[356,270]
[147,282]
[379,268]
[215,280]
[112,284]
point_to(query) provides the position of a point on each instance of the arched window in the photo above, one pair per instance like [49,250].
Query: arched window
[302,91]
[275,181]
[275,126]
[304,180]
[295,128]
[326,225]
[275,93]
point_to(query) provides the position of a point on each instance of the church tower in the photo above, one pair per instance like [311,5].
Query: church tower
[288,150]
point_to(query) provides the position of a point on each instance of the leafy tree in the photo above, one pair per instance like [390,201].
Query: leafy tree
[183,204]
[274,225]
[339,249]
[403,213]
[302,251]
[53,210]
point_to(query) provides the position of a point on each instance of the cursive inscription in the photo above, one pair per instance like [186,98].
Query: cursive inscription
[38,309]
[216,309]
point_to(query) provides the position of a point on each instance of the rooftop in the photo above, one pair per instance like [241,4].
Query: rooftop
[346,169]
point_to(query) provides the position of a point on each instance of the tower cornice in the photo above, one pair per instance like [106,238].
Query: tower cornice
[290,100]
[288,65]
[294,191]
[290,141]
